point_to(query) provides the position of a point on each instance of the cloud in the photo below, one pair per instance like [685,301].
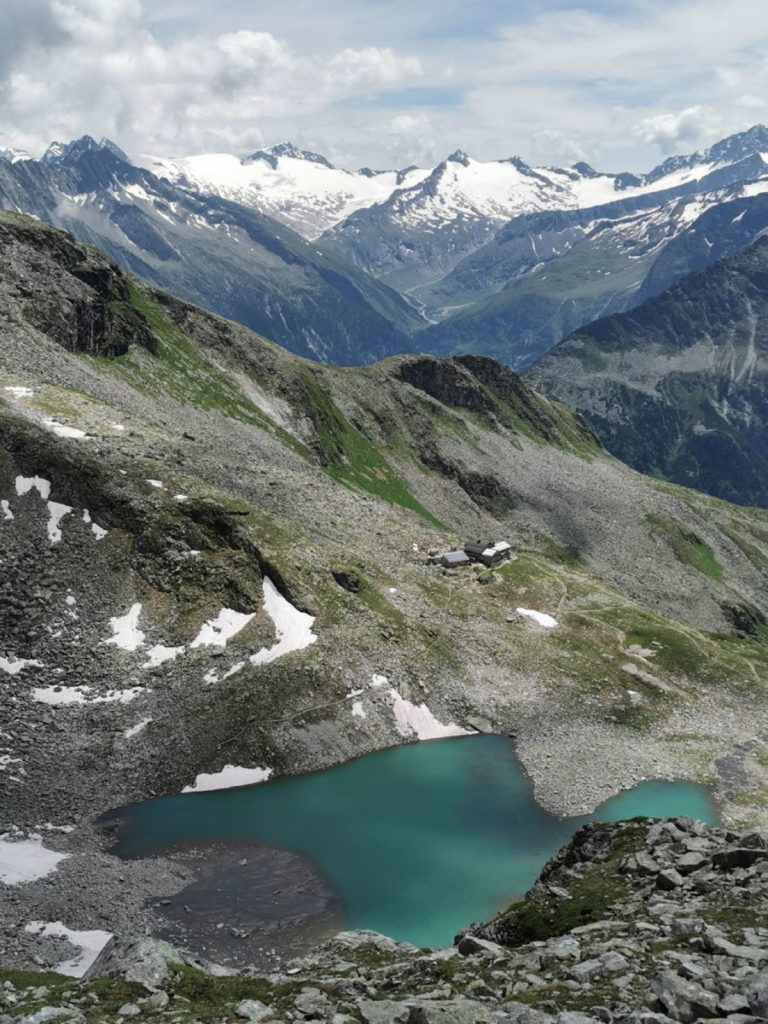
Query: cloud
[382,83]
[98,69]
[669,131]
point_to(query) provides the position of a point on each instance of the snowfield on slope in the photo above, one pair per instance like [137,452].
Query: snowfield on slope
[293,628]
[26,860]
[307,195]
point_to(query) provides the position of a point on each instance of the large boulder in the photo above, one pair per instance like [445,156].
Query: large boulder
[144,961]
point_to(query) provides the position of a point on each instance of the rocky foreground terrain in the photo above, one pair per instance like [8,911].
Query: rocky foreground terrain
[642,921]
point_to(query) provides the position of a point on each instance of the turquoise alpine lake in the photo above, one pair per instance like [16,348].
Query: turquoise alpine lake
[419,840]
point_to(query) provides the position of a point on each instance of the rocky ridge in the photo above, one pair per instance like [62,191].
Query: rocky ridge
[640,922]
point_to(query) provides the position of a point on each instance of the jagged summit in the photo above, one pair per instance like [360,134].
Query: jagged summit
[59,152]
[459,157]
[289,151]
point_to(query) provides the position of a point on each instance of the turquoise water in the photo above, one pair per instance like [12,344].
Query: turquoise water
[420,840]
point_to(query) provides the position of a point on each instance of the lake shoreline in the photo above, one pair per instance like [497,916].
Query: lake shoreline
[417,840]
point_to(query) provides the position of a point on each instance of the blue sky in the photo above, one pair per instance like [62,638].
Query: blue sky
[619,83]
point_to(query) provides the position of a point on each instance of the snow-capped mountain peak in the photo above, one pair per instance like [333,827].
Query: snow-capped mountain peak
[459,157]
[736,147]
[59,152]
[299,188]
[290,151]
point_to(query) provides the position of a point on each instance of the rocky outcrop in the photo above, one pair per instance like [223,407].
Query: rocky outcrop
[88,309]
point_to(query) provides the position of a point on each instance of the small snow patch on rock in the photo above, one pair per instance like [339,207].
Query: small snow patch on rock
[63,431]
[216,632]
[56,512]
[136,729]
[12,666]
[125,629]
[90,945]
[229,777]
[30,483]
[159,654]
[541,617]
[417,719]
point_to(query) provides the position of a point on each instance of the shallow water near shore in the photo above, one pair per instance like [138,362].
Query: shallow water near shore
[419,840]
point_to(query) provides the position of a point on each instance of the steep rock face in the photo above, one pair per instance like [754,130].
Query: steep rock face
[677,387]
[90,313]
[495,393]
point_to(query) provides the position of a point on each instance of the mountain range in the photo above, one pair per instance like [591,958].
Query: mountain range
[232,259]
[495,257]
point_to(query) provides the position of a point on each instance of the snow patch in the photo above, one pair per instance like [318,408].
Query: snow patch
[29,483]
[90,945]
[125,628]
[26,860]
[229,777]
[541,617]
[418,719]
[56,512]
[293,628]
[159,654]
[157,483]
[379,680]
[216,632]
[63,431]
[66,695]
[12,666]
[98,531]
[6,509]
[357,709]
[136,729]
[19,392]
